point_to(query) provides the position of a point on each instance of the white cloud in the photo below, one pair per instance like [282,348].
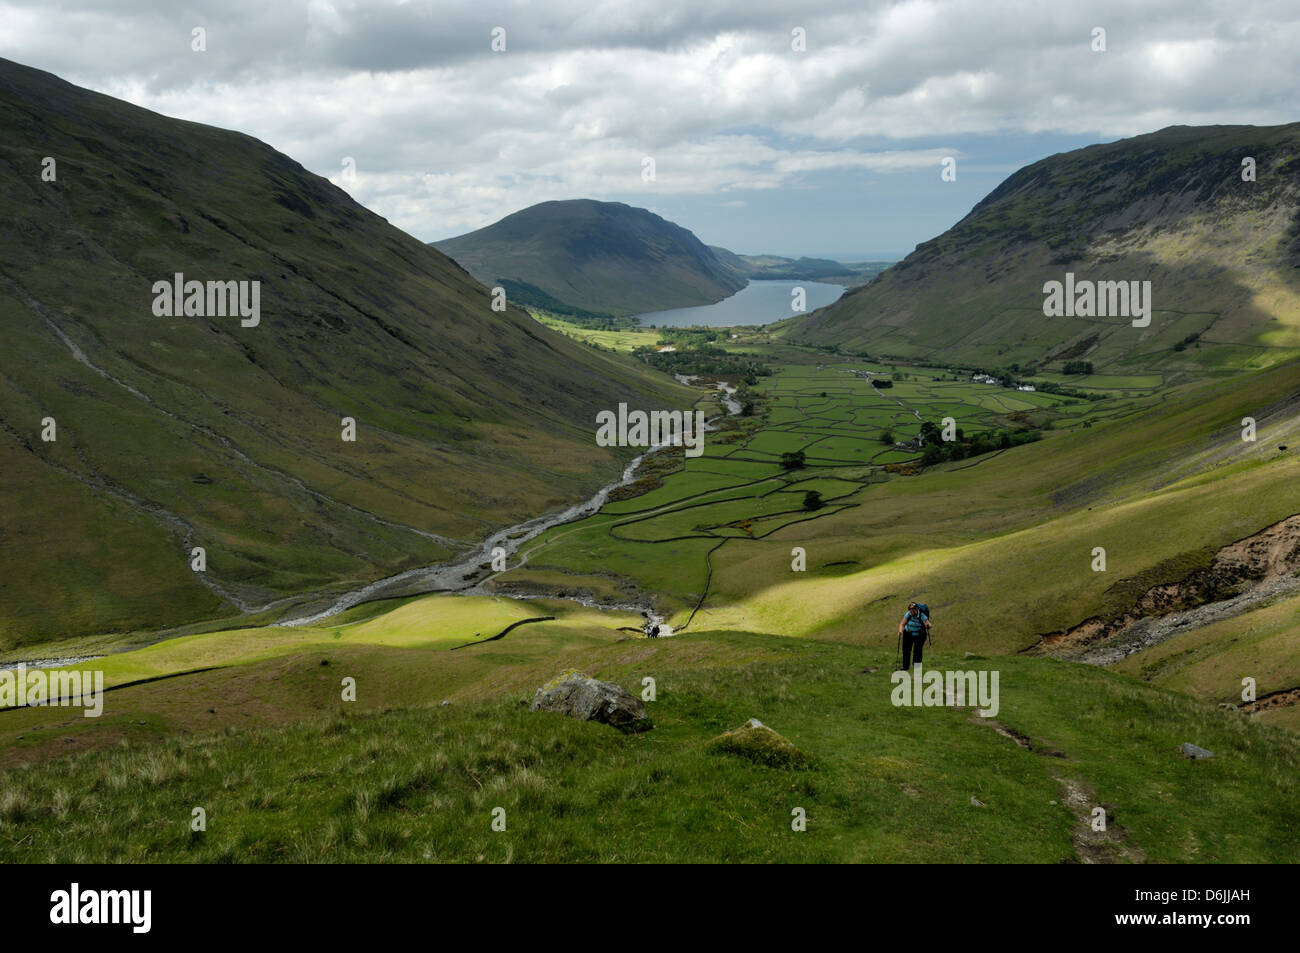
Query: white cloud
[450,136]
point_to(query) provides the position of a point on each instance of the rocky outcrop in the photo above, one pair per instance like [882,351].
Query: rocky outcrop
[1242,575]
[579,696]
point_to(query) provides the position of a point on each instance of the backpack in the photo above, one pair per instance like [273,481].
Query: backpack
[924,617]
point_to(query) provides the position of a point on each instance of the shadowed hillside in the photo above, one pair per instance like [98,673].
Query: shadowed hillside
[1170,207]
[185,431]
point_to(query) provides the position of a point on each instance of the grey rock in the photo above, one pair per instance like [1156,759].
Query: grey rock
[1193,751]
[975,802]
[579,696]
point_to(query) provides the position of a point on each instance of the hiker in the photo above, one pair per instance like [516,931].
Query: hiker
[912,631]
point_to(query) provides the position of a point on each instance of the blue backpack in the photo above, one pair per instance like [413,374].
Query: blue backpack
[924,617]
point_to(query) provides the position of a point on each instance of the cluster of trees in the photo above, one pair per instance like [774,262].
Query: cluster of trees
[1190,339]
[1011,376]
[938,450]
[1051,387]
[704,359]
[792,461]
[745,397]
[692,337]
[844,352]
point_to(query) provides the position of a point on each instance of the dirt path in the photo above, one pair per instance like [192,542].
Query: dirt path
[1107,845]
[1091,846]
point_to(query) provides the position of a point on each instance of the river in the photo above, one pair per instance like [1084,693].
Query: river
[463,574]
[466,571]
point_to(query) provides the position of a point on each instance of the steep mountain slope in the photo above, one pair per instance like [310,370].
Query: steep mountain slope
[1170,207]
[603,257]
[175,432]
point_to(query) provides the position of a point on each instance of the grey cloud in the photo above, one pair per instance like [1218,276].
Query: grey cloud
[444,130]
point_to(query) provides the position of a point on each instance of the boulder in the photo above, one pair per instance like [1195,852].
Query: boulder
[579,696]
[1193,751]
[760,744]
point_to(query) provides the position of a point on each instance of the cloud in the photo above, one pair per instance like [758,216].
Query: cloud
[448,135]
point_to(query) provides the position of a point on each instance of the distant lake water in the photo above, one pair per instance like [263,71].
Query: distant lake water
[759,302]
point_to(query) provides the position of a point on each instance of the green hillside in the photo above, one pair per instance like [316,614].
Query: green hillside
[1169,207]
[419,784]
[599,257]
[186,431]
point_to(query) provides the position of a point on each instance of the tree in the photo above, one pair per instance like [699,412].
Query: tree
[812,500]
[792,461]
[887,437]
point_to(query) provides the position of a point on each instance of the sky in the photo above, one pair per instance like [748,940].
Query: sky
[785,128]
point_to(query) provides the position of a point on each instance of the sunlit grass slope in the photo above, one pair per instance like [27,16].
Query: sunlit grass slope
[885,783]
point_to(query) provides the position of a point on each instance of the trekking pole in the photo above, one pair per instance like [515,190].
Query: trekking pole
[899,665]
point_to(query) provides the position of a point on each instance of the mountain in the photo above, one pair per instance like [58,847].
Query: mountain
[594,257]
[779,268]
[176,432]
[1222,256]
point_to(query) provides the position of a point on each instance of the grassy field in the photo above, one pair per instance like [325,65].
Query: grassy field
[722,527]
[885,783]
[625,340]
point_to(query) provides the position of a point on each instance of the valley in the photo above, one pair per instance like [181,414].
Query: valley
[324,531]
[999,543]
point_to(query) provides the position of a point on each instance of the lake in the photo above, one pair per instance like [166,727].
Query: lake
[759,302]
